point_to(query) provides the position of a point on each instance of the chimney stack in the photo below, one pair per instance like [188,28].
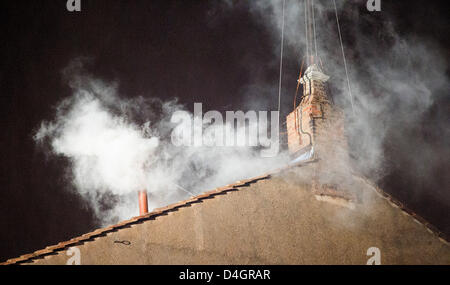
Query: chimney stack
[143,204]
[316,131]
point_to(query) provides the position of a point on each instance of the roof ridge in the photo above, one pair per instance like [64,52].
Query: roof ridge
[394,202]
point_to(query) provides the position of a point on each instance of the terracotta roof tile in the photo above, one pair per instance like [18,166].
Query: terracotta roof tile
[42,252]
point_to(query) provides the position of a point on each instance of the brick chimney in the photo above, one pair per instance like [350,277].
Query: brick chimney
[316,131]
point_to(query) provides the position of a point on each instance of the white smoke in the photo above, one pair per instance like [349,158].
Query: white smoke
[392,77]
[114,152]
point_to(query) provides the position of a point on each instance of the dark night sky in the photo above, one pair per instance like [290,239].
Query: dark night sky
[162,49]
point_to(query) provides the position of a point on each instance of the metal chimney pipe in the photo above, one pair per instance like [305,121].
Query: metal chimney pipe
[143,204]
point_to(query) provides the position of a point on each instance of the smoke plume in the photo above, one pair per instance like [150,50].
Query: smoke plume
[394,78]
[118,146]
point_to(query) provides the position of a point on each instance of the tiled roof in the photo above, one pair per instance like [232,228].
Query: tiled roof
[196,199]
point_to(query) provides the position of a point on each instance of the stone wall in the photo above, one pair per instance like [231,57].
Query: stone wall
[273,221]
